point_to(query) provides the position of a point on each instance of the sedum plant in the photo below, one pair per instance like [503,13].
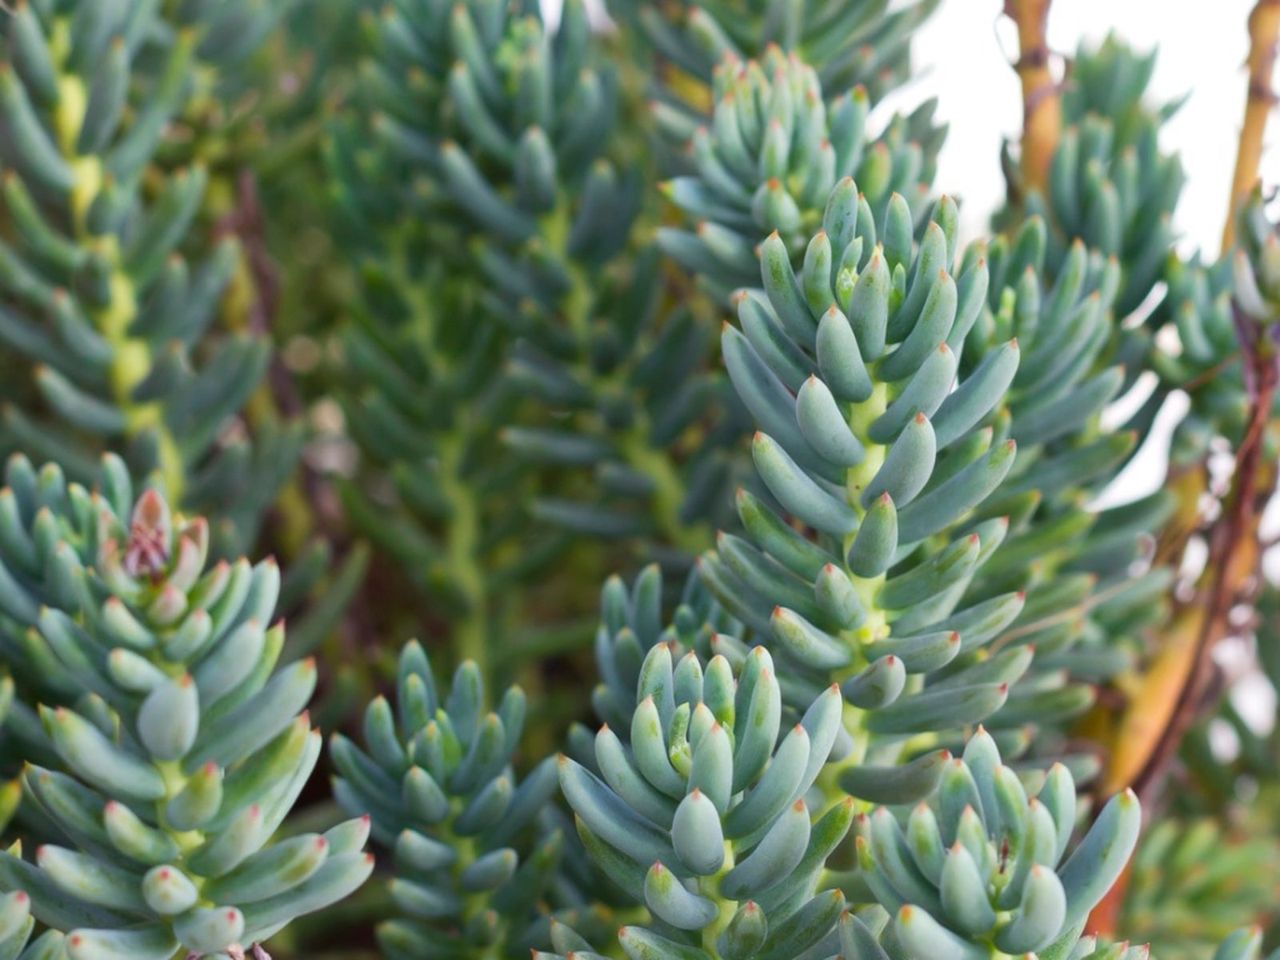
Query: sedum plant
[1062,311]
[494,132]
[893,666]
[702,817]
[984,871]
[473,849]
[1110,184]
[169,746]
[908,483]
[860,489]
[113,325]
[768,159]
[1194,882]
[850,43]
[698,810]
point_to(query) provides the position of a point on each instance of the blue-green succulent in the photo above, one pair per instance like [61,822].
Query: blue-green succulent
[984,870]
[1110,184]
[767,160]
[852,43]
[699,810]
[166,741]
[475,852]
[562,285]
[110,322]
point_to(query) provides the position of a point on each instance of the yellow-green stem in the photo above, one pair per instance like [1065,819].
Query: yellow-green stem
[709,887]
[131,357]
[635,444]
[473,904]
[876,624]
[175,781]
[462,546]
[668,491]
[462,568]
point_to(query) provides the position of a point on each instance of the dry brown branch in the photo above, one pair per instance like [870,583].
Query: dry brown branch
[1233,560]
[1179,685]
[1264,42]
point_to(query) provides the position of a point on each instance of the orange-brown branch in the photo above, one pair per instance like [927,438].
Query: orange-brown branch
[1233,561]
[1178,683]
[1041,102]
[1264,42]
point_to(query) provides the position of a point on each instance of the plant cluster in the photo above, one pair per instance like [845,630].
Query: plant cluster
[422,319]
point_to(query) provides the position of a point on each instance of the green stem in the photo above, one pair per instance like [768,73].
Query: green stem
[634,444]
[857,478]
[709,887]
[668,491]
[463,568]
[462,547]
[876,625]
[475,904]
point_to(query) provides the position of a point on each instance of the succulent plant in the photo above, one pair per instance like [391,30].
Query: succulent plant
[883,460]
[1088,606]
[515,294]
[702,815]
[1193,883]
[848,43]
[488,188]
[981,871]
[169,748]
[632,625]
[99,302]
[1110,184]
[1196,349]
[767,160]
[1256,265]
[507,116]
[474,853]
[1055,309]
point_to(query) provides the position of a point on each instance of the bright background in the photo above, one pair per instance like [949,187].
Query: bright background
[964,54]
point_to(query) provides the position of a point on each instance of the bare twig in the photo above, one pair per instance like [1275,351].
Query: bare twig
[1232,563]
[1183,678]
[1264,43]
[1041,99]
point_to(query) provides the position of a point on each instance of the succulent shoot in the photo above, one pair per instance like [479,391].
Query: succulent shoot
[172,744]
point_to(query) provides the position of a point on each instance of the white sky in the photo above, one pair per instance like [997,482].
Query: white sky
[964,54]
